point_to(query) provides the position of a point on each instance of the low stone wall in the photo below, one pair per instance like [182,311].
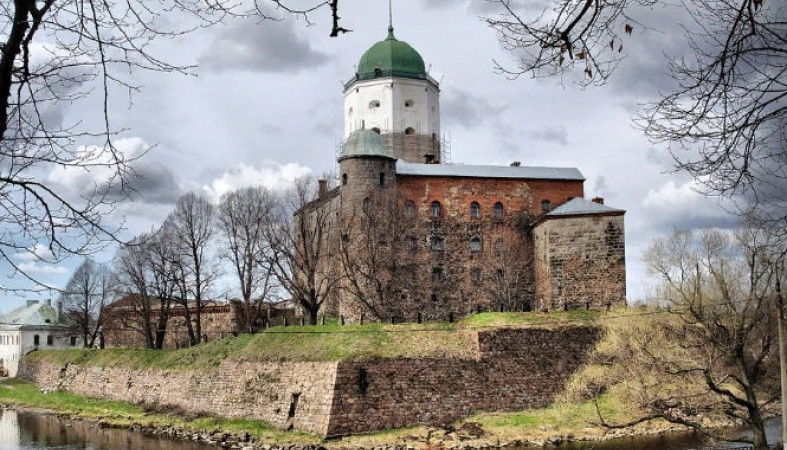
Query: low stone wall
[513,370]
[287,395]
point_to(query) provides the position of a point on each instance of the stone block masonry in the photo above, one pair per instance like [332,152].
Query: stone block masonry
[513,369]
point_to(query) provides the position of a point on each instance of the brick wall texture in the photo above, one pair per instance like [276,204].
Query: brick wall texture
[524,368]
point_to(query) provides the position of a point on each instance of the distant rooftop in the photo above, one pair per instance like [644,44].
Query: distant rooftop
[32,314]
[580,206]
[472,171]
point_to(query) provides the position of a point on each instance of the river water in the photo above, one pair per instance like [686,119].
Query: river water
[30,431]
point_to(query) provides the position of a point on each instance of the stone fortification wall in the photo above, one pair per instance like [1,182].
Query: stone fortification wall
[515,370]
[286,395]
[512,370]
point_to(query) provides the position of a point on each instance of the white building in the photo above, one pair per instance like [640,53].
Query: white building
[35,326]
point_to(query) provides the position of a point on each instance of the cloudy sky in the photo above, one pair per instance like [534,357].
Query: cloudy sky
[265,106]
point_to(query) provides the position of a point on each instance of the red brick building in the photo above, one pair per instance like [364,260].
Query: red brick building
[414,235]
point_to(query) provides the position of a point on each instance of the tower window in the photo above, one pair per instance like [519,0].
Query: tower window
[498,211]
[437,274]
[376,130]
[50,340]
[409,208]
[351,110]
[382,179]
[546,205]
[475,275]
[437,244]
[374,104]
[344,179]
[409,130]
[408,103]
[367,203]
[411,242]
[475,210]
[436,209]
[475,244]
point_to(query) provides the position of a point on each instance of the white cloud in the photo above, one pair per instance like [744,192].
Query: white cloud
[270,174]
[682,206]
[34,269]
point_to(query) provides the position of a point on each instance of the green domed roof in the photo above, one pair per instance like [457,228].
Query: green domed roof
[391,57]
[365,143]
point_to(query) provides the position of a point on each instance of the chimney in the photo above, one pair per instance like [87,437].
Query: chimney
[322,188]
[516,164]
[599,200]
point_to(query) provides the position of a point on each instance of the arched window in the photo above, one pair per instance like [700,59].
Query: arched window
[409,208]
[437,274]
[351,110]
[475,210]
[436,209]
[411,242]
[475,275]
[408,103]
[475,244]
[409,130]
[546,205]
[374,104]
[498,211]
[437,244]
[344,179]
[367,203]
[376,130]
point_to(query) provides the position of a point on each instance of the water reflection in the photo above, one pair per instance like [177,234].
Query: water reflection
[29,431]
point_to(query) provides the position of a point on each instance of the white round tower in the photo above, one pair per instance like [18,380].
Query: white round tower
[392,94]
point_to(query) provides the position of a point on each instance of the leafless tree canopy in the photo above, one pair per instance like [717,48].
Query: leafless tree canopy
[243,216]
[725,121]
[722,290]
[57,53]
[83,299]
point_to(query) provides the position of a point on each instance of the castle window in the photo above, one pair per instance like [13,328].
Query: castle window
[434,297]
[475,244]
[36,340]
[367,203]
[436,209]
[411,242]
[546,205]
[376,130]
[374,104]
[475,275]
[344,179]
[350,111]
[475,210]
[409,130]
[499,275]
[408,103]
[437,274]
[50,340]
[382,179]
[73,341]
[498,211]
[437,244]
[409,208]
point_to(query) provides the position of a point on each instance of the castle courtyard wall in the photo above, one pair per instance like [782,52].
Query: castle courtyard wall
[512,370]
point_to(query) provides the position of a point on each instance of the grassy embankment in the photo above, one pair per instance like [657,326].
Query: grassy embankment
[329,343]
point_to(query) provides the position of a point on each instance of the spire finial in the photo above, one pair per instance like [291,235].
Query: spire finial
[390,16]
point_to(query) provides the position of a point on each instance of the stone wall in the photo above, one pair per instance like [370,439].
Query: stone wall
[512,370]
[580,261]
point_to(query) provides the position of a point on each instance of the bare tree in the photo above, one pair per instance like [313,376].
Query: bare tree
[190,230]
[84,298]
[509,282]
[243,216]
[56,54]
[369,258]
[303,246]
[721,289]
[148,278]
[724,122]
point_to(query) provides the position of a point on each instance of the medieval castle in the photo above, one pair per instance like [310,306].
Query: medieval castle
[413,236]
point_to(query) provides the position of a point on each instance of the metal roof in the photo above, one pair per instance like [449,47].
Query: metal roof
[365,143]
[460,170]
[32,314]
[581,206]
[393,57]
